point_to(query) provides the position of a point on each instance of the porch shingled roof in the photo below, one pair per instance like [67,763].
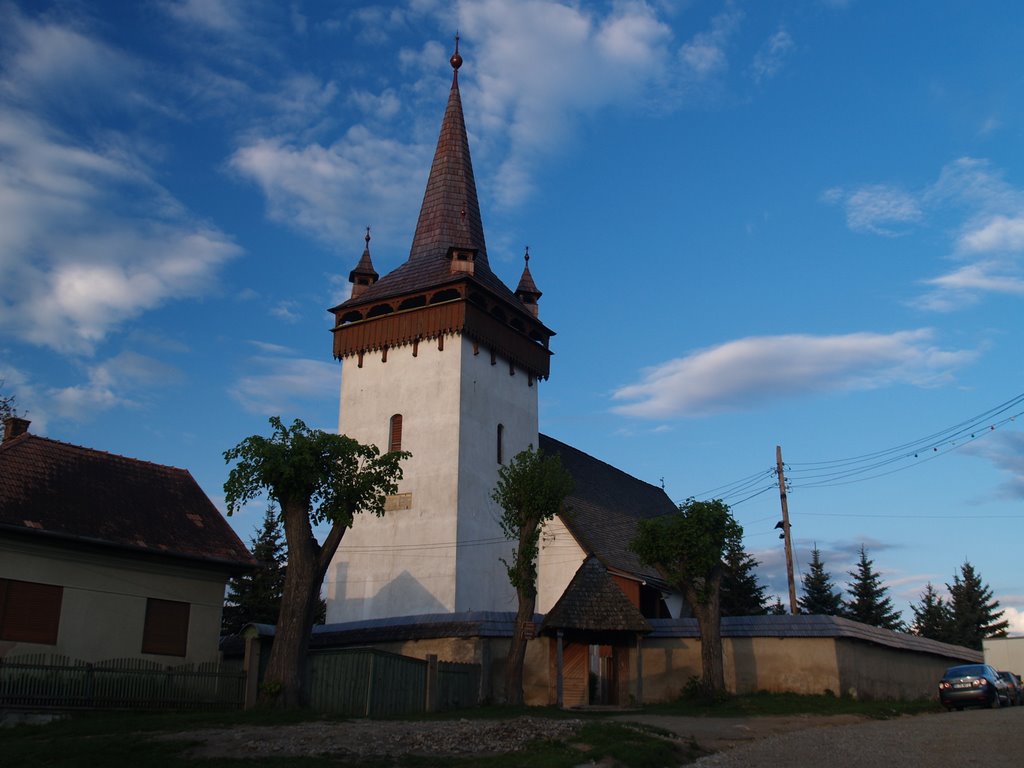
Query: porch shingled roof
[594,602]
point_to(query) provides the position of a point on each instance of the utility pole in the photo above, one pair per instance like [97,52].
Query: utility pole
[785,530]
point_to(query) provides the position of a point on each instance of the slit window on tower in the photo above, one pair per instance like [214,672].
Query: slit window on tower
[395,433]
[501,439]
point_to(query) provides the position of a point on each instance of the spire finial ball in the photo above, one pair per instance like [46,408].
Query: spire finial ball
[456,59]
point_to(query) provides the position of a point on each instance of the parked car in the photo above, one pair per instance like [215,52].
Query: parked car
[977,685]
[1013,689]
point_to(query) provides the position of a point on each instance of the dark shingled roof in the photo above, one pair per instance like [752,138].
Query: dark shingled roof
[50,489]
[604,507]
[594,602]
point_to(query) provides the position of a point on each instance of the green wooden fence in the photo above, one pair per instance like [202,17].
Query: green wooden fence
[365,682]
[458,685]
[42,680]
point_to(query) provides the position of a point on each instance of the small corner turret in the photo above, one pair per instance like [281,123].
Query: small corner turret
[527,291]
[364,275]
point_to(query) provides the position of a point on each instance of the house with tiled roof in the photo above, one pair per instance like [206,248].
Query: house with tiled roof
[104,556]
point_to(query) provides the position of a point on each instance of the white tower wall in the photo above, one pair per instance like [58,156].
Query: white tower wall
[451,402]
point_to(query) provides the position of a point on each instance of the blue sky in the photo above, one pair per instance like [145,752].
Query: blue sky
[754,224]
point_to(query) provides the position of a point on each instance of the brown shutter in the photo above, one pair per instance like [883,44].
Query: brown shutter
[395,440]
[30,612]
[166,630]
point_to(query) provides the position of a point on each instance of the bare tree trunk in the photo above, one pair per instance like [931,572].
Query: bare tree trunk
[285,677]
[516,658]
[709,621]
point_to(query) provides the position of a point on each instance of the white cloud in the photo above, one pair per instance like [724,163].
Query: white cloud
[333,191]
[532,69]
[88,238]
[280,383]
[966,285]
[1004,449]
[877,208]
[746,373]
[287,310]
[121,381]
[221,16]
[704,55]
[771,55]
[1016,618]
[999,233]
[989,241]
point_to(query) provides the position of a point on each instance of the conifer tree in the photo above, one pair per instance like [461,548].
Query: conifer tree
[819,597]
[933,616]
[777,608]
[868,602]
[6,405]
[742,594]
[975,614]
[255,597]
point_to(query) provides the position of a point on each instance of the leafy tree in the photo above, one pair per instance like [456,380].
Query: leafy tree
[820,598]
[975,614]
[868,602]
[531,490]
[689,550]
[933,616]
[742,594]
[315,478]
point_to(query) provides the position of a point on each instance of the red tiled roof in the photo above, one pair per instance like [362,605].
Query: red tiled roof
[55,489]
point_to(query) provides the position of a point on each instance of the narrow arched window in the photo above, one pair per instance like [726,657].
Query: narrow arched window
[395,433]
[501,438]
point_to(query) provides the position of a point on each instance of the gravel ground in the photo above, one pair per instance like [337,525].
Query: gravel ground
[379,738]
[972,737]
[844,741]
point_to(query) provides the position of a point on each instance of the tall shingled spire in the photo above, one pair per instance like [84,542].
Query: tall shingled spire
[450,214]
[446,286]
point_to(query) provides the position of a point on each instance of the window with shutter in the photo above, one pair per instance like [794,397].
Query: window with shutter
[166,629]
[395,439]
[29,612]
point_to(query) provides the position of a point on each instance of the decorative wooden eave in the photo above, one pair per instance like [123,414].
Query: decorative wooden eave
[460,307]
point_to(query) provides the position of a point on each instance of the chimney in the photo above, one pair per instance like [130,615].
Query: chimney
[14,426]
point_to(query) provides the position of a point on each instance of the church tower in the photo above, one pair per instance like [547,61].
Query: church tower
[439,358]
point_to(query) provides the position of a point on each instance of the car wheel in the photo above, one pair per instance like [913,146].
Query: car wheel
[996,702]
